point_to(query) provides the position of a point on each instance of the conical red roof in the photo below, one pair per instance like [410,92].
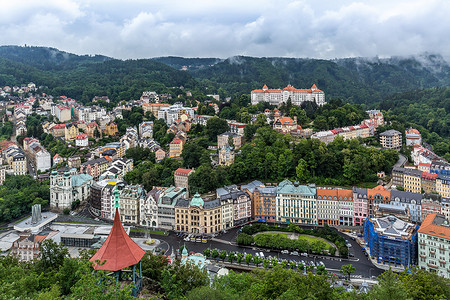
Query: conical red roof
[118,250]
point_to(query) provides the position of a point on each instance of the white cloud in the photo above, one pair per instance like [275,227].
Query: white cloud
[148,28]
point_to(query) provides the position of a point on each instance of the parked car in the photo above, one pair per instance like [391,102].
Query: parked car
[261,254]
[294,253]
[284,252]
[304,254]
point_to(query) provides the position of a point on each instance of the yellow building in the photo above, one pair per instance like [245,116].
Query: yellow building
[175,148]
[198,215]
[70,132]
[443,185]
[110,129]
[153,107]
[412,181]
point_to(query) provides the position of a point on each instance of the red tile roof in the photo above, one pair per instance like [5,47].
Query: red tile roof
[182,171]
[119,250]
[428,227]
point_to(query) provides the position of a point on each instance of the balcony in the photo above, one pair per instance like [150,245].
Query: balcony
[433,266]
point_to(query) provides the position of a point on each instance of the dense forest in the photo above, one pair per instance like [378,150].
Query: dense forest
[19,193]
[356,80]
[427,110]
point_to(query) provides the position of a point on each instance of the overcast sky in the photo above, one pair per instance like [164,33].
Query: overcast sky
[217,28]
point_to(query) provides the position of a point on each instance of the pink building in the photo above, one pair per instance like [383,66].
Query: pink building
[360,206]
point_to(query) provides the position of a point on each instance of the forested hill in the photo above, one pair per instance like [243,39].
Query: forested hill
[191,64]
[83,77]
[357,80]
[48,58]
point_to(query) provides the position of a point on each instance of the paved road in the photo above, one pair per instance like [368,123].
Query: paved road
[363,266]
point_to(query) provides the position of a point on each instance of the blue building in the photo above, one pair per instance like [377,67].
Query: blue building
[391,241]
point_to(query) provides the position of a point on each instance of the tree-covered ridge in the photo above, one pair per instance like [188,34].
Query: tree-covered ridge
[117,79]
[46,58]
[355,79]
[177,62]
[427,110]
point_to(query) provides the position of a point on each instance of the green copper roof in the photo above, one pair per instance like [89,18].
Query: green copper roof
[197,201]
[287,187]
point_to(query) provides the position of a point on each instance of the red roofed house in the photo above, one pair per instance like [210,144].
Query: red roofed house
[118,252]
[284,124]
[175,148]
[434,241]
[297,96]
[81,140]
[181,177]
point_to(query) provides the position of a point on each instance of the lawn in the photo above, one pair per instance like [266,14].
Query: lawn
[273,234]
[309,239]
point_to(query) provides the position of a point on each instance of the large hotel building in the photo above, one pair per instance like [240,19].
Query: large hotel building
[298,96]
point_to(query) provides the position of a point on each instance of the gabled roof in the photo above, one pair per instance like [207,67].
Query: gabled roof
[119,250]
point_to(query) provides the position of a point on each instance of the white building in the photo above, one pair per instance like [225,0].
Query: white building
[67,188]
[242,206]
[146,130]
[434,245]
[175,112]
[82,140]
[413,137]
[40,157]
[149,209]
[297,96]
[296,203]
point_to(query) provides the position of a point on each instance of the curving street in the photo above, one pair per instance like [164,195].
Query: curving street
[364,267]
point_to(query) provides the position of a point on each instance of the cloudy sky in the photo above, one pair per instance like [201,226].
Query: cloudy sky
[218,28]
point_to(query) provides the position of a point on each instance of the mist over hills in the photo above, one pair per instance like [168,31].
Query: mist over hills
[358,80]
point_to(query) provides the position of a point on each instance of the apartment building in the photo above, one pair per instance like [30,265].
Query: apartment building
[166,206]
[175,148]
[391,139]
[443,185]
[198,215]
[429,182]
[130,198]
[296,203]
[434,245]
[412,180]
[224,138]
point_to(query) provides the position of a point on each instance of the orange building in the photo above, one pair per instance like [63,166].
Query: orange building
[377,195]
[334,206]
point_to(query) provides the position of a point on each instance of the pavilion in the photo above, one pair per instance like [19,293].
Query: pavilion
[118,252]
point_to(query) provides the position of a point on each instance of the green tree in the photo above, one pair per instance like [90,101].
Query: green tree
[389,287]
[216,126]
[348,270]
[302,170]
[207,252]
[214,253]
[223,255]
[51,255]
[248,258]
